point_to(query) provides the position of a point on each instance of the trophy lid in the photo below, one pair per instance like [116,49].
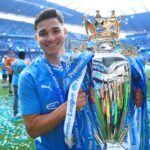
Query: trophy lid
[104,33]
[101,28]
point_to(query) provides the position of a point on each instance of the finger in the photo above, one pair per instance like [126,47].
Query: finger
[91,91]
[81,94]
[80,103]
[139,94]
[138,102]
[80,90]
[91,95]
[138,97]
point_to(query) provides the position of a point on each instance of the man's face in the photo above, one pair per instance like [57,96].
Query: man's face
[51,35]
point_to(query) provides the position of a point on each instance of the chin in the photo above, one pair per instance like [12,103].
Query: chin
[53,52]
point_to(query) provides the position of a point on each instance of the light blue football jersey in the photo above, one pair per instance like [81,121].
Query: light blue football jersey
[38,96]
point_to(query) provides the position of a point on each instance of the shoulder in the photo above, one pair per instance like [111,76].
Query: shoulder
[13,63]
[71,57]
[22,62]
[11,59]
[34,68]
[18,62]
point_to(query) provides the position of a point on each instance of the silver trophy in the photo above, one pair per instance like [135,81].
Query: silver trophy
[111,76]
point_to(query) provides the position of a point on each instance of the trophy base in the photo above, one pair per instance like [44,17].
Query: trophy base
[113,146]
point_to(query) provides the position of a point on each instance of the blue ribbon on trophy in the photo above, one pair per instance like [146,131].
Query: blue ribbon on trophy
[138,115]
[78,125]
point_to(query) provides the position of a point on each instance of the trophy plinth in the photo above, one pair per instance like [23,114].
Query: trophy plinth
[113,146]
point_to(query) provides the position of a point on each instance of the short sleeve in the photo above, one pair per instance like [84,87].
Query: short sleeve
[28,95]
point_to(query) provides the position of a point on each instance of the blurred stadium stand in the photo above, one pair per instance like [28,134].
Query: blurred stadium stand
[18,35]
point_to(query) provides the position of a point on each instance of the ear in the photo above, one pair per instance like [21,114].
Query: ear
[65,31]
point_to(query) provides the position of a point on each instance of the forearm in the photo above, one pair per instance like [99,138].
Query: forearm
[37,125]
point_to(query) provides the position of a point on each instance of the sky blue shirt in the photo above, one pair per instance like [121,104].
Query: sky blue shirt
[17,66]
[39,96]
[4,70]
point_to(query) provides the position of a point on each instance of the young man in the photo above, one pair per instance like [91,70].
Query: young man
[42,96]
[17,66]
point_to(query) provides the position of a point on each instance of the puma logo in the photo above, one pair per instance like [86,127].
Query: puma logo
[47,86]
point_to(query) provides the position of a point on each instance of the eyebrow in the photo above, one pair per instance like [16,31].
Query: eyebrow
[44,30]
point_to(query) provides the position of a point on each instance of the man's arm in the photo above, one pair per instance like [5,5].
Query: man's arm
[37,125]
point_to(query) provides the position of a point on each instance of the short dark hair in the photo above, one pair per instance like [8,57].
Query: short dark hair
[48,14]
[21,54]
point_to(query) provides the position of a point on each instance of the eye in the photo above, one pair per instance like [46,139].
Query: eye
[56,31]
[42,34]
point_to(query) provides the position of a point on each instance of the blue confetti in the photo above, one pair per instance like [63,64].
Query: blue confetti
[12,130]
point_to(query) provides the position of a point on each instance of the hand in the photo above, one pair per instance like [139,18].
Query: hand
[91,95]
[81,99]
[138,97]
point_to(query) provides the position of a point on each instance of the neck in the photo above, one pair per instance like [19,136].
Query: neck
[55,58]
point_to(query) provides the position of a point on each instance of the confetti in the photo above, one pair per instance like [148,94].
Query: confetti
[12,130]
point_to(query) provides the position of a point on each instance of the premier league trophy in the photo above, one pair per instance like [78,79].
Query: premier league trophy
[112,78]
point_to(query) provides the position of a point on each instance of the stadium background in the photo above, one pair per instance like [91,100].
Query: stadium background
[18,34]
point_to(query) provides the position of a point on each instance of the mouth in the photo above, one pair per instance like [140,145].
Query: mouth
[49,45]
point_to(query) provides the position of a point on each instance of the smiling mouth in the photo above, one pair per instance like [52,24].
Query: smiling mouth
[51,45]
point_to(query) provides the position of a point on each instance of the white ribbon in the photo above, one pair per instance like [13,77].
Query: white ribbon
[71,108]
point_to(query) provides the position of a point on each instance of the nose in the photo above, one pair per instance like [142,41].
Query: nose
[50,37]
